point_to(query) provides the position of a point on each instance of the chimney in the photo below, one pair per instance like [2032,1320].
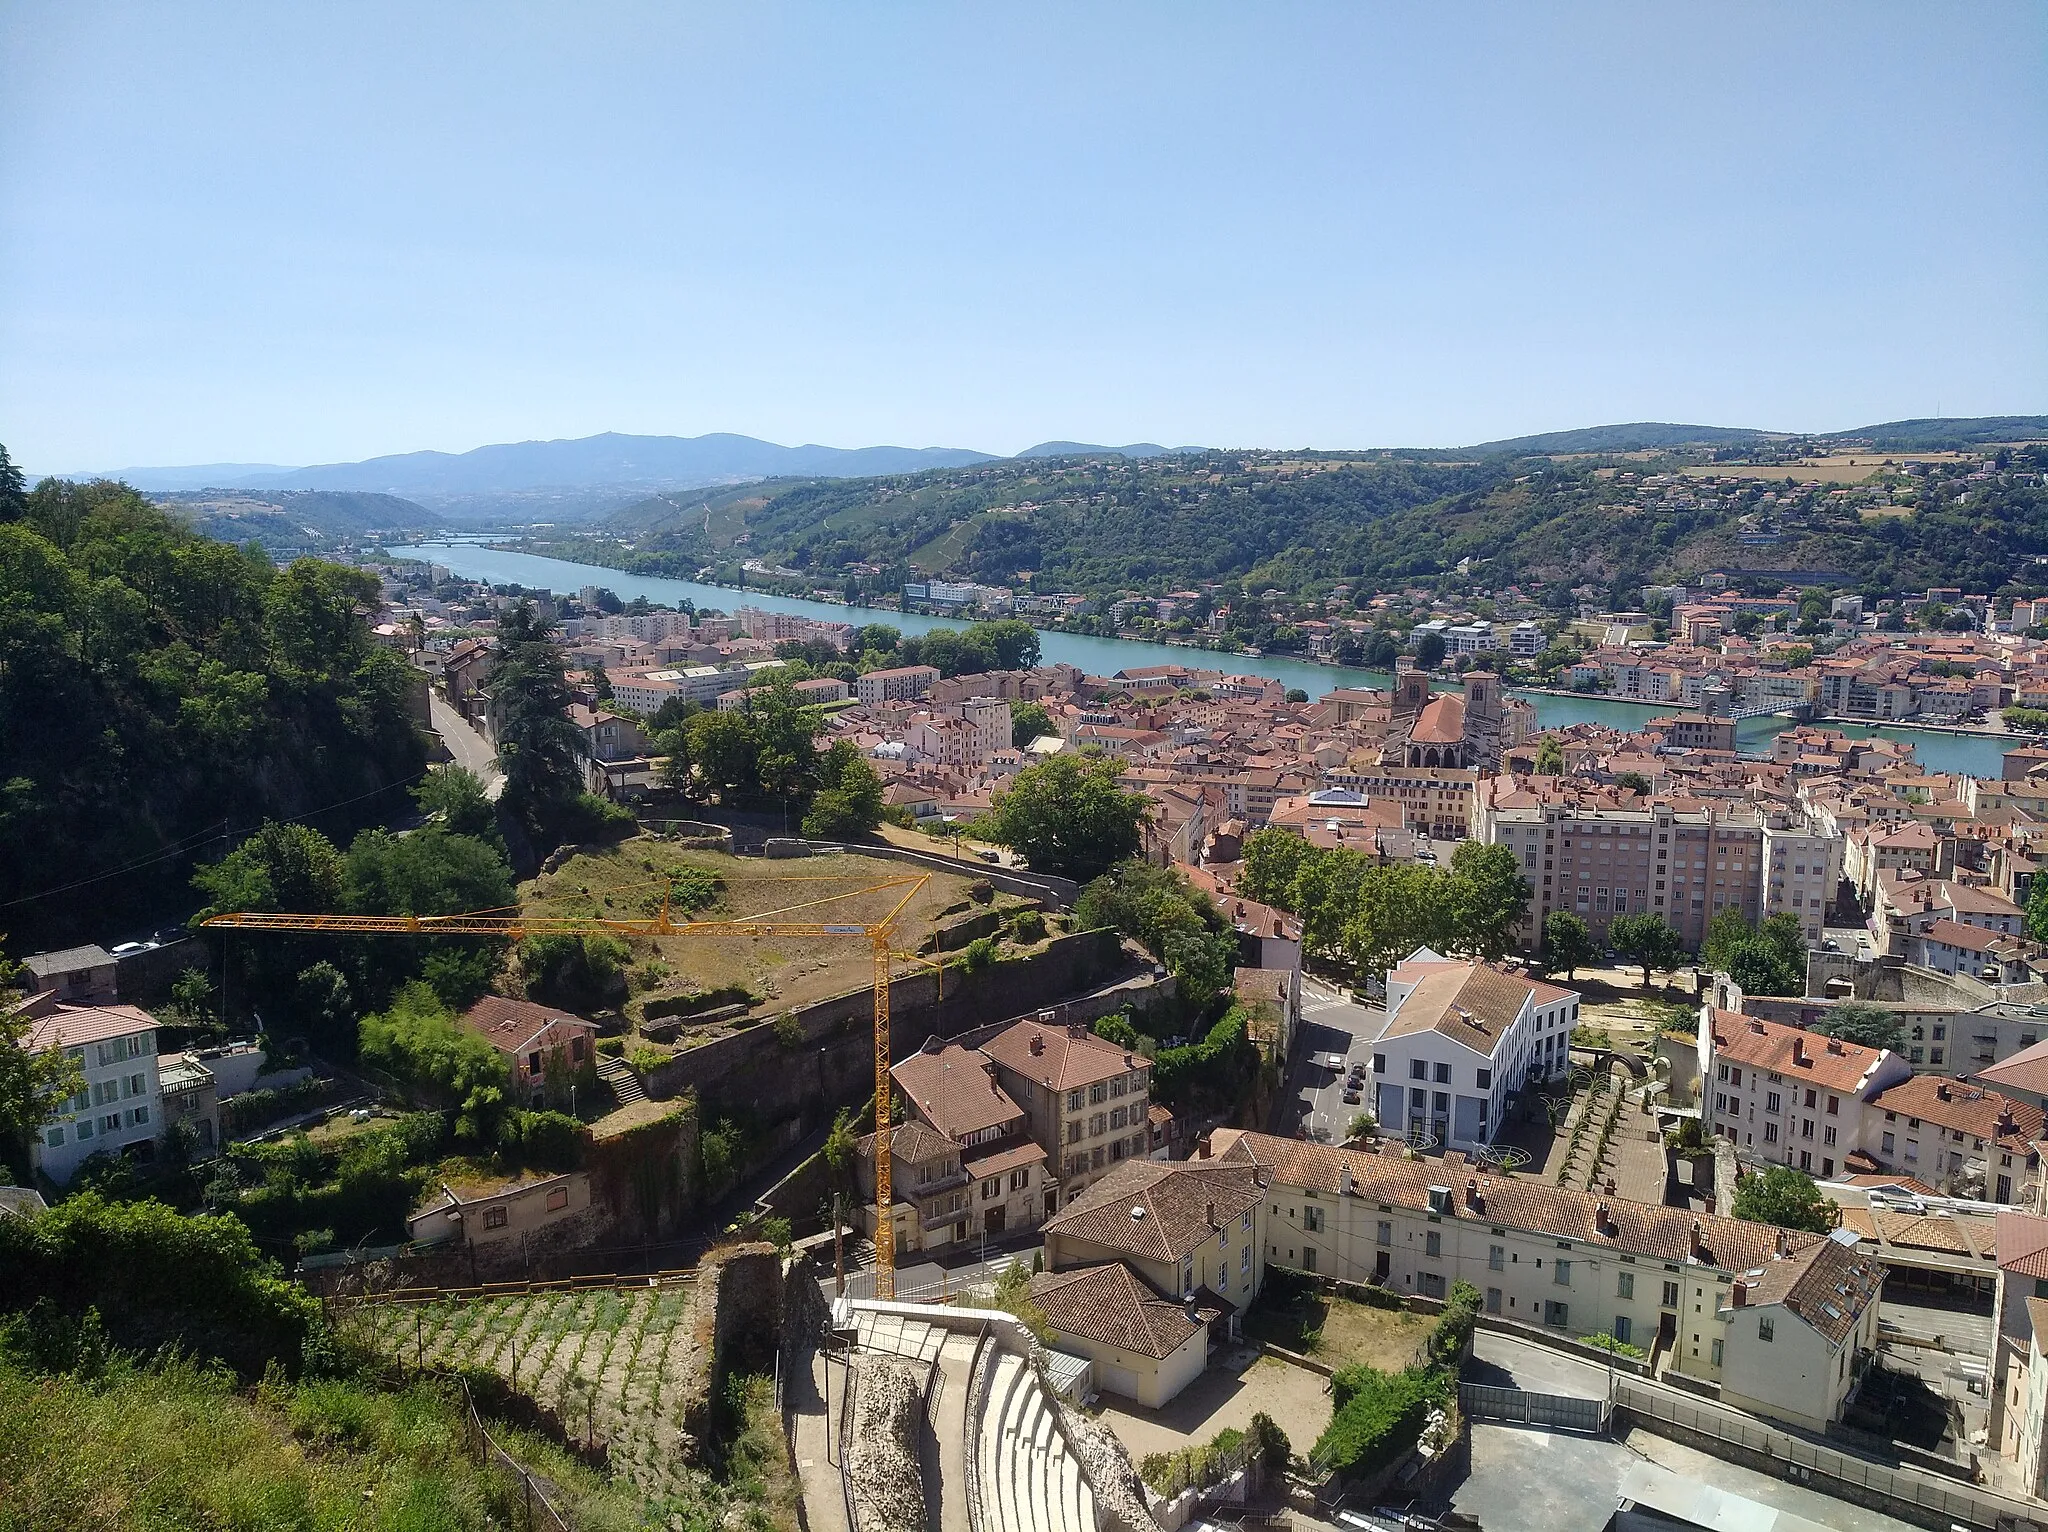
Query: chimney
[1472,1192]
[1799,1051]
[1344,1183]
[1741,1293]
[1698,1249]
[1756,1026]
[1835,1046]
[1209,1211]
[1941,1091]
[1037,1042]
[1600,1218]
[1188,1304]
[1784,1243]
[1128,1061]
[2005,1120]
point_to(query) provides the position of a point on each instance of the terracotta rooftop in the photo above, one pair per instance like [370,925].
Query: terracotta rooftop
[1468,1002]
[1441,722]
[1521,1202]
[511,1024]
[1828,1286]
[1110,1305]
[912,1142]
[67,1026]
[1064,1056]
[955,1090]
[1158,1210]
[1003,1161]
[2022,1243]
[2026,1070]
[1968,1109]
[1793,1052]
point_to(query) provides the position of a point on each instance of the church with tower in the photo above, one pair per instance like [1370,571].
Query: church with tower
[1448,729]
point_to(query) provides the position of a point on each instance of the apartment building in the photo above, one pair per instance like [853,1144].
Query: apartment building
[1783,1094]
[932,1197]
[1084,1100]
[1965,1140]
[1434,800]
[2019,1364]
[1184,1226]
[1460,1037]
[1802,867]
[1659,1278]
[118,1107]
[897,685]
[1597,861]
[953,1090]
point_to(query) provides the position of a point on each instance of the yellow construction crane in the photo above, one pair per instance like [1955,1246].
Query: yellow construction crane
[513,924]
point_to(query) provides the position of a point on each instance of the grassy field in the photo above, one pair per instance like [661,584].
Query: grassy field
[604,1363]
[624,882]
[182,1446]
[1339,1331]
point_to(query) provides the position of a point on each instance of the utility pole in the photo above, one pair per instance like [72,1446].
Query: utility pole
[838,1251]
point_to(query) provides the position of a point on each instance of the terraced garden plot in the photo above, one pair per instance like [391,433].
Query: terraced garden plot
[602,1358]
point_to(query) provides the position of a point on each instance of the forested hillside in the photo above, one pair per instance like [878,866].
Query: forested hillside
[1303,521]
[157,686]
[296,520]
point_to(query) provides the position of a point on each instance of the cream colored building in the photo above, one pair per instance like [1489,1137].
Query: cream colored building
[1658,1278]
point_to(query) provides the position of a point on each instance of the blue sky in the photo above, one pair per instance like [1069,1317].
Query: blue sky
[299,234]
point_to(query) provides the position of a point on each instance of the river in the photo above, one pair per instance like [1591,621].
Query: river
[1975,755]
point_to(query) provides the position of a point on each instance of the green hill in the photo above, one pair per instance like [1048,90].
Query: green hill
[1550,521]
[286,521]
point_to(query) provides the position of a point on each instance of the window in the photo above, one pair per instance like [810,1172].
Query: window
[1118,1086]
[1771,1101]
[1095,1159]
[82,1130]
[111,1123]
[1443,1074]
[1766,1329]
[1223,1279]
[1834,1106]
[1809,1101]
[1075,1101]
[1493,1300]
[1098,1093]
[1096,1126]
[1558,1314]
[1770,1133]
[1116,1117]
[1418,1069]
[1625,1287]
[1433,1243]
[990,1190]
[1312,1219]
[1019,1179]
[1623,1328]
[1245,1223]
[1244,1261]
[1886,1147]
[494,1218]
[1074,1132]
[1308,1258]
[1561,1273]
[138,1117]
[1386,1232]
[1496,1258]
[1827,1136]
[1486,1079]
[53,1138]
[558,1198]
[1717,1353]
[1670,1295]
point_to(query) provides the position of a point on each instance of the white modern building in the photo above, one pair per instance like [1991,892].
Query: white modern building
[1460,1038]
[118,1109]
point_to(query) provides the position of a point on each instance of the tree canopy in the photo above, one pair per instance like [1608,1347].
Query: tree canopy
[1786,1197]
[1068,815]
[1567,943]
[159,688]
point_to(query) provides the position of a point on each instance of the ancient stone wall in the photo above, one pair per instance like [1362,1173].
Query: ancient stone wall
[735,1323]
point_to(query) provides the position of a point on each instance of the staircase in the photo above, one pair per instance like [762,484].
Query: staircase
[624,1083]
[1029,1480]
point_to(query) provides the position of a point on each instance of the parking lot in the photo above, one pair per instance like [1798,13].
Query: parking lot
[1331,1023]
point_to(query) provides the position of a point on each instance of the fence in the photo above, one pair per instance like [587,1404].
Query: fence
[1484,1401]
[1938,1502]
[489,1453]
[607,1280]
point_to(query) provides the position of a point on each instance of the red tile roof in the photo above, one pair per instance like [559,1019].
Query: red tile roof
[1967,1109]
[1172,1202]
[954,1089]
[1794,1052]
[511,1024]
[1829,1286]
[67,1026]
[1068,1056]
[1109,1305]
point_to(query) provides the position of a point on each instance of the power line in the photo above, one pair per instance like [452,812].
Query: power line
[190,843]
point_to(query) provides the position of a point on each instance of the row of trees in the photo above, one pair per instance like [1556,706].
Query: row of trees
[1367,916]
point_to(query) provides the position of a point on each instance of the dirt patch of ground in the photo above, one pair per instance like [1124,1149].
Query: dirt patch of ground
[1227,1395]
[625,882]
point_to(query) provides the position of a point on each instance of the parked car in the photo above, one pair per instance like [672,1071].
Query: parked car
[129,949]
[1351,1095]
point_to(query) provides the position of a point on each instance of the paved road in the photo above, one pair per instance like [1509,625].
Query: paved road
[471,751]
[1506,1362]
[1331,1022]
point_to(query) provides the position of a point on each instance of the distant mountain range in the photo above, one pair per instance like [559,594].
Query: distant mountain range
[575,480]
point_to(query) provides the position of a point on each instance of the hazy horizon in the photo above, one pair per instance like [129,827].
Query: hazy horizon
[256,234]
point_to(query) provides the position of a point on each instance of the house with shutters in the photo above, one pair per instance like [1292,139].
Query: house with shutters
[118,1108]
[954,1091]
[546,1051]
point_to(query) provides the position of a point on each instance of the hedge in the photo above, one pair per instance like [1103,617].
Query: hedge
[1379,1416]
